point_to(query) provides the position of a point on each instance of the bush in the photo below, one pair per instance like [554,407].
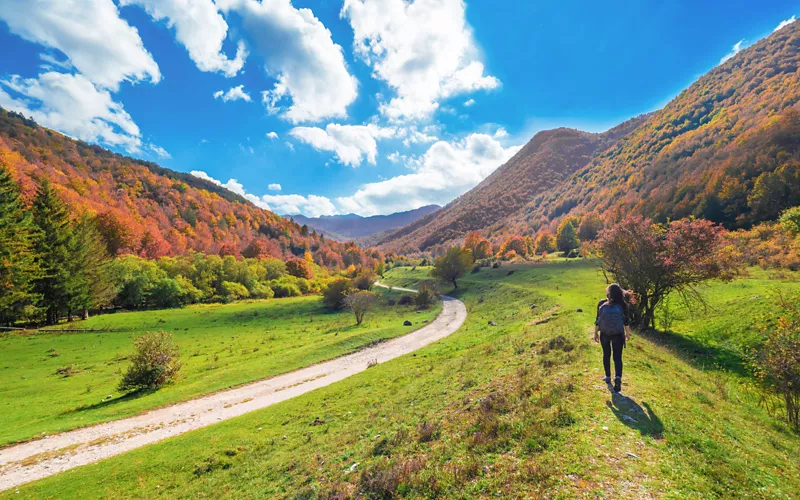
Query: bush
[154,362]
[233,291]
[285,288]
[333,296]
[406,300]
[261,291]
[168,292]
[426,295]
[364,280]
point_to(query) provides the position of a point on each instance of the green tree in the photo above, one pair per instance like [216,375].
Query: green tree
[93,287]
[590,227]
[567,235]
[18,264]
[56,285]
[452,265]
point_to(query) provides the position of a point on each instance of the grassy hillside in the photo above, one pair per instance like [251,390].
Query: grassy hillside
[221,346]
[515,410]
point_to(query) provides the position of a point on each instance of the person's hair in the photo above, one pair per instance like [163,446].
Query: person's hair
[618,295]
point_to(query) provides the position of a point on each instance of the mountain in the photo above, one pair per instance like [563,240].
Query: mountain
[352,226]
[145,209]
[546,161]
[726,149]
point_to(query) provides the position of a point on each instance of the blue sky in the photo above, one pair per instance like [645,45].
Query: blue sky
[366,106]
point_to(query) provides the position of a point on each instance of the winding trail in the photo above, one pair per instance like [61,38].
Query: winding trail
[44,457]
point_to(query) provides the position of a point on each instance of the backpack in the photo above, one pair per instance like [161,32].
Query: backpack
[611,319]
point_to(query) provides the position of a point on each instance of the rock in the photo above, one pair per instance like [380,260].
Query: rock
[317,421]
[492,323]
[534,306]
[424,320]
[605,428]
[579,310]
[406,323]
[632,455]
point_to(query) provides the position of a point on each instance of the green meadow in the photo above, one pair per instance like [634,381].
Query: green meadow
[51,382]
[516,410]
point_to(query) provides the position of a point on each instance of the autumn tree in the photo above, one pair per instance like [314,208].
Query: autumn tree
[359,303]
[478,245]
[514,243]
[452,265]
[545,243]
[299,268]
[657,260]
[567,235]
[590,227]
[333,296]
[18,264]
[482,250]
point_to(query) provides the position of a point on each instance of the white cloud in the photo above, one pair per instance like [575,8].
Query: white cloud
[272,135]
[161,152]
[299,53]
[100,44]
[501,132]
[72,105]
[274,187]
[290,146]
[469,102]
[233,94]
[286,204]
[423,50]
[737,47]
[350,143]
[200,28]
[50,61]
[414,136]
[785,23]
[396,157]
[446,171]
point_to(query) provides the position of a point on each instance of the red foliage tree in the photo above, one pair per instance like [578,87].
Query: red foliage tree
[299,268]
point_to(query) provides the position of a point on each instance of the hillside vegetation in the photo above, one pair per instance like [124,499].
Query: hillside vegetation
[516,410]
[726,149]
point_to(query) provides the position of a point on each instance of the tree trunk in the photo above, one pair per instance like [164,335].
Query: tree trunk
[85,314]
[455,285]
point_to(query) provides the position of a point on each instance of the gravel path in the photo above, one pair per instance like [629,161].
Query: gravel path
[34,460]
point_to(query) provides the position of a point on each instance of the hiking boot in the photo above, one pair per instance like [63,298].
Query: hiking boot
[617,384]
[607,380]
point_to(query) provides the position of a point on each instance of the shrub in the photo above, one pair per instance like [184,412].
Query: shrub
[333,296]
[233,291]
[406,300]
[154,362]
[168,292]
[262,291]
[790,219]
[426,295]
[364,280]
[285,288]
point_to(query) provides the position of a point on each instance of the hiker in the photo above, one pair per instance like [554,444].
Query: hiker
[611,329]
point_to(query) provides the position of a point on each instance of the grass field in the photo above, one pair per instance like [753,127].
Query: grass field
[221,346]
[513,410]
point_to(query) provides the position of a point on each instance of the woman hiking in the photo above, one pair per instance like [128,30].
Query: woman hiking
[611,329]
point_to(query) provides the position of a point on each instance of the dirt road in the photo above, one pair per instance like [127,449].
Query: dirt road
[34,460]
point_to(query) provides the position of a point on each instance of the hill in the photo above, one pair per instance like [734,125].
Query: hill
[726,149]
[145,209]
[352,226]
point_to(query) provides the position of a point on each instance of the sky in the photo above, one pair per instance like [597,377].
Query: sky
[355,106]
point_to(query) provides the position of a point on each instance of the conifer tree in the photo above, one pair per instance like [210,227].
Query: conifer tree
[56,285]
[18,264]
[89,262]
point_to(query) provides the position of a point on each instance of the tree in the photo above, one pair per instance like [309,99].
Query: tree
[516,244]
[545,243]
[478,245]
[154,363]
[590,227]
[483,250]
[656,260]
[333,296]
[56,285]
[452,265]
[299,268]
[360,303]
[790,219]
[93,285]
[567,235]
[18,264]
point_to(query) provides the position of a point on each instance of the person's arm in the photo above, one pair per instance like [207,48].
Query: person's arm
[596,326]
[627,332]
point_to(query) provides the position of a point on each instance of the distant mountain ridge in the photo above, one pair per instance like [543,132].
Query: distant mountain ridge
[353,226]
[726,149]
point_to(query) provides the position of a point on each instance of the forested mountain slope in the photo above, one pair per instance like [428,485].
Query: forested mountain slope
[548,159]
[726,149]
[145,209]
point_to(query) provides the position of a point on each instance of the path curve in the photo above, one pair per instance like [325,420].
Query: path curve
[34,460]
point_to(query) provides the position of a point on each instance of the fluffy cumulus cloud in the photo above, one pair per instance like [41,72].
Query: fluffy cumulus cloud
[414,136]
[284,204]
[272,135]
[737,47]
[200,28]
[74,106]
[785,23]
[469,102]
[446,171]
[104,48]
[233,94]
[298,51]
[424,50]
[350,143]
[274,187]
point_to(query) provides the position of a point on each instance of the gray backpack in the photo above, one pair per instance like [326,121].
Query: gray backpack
[611,319]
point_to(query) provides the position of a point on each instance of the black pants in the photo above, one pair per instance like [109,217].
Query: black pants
[615,344]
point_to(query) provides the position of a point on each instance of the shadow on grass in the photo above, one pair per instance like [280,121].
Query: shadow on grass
[702,356]
[630,413]
[131,396]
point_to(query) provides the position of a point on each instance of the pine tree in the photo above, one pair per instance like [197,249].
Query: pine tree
[89,263]
[56,285]
[18,264]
